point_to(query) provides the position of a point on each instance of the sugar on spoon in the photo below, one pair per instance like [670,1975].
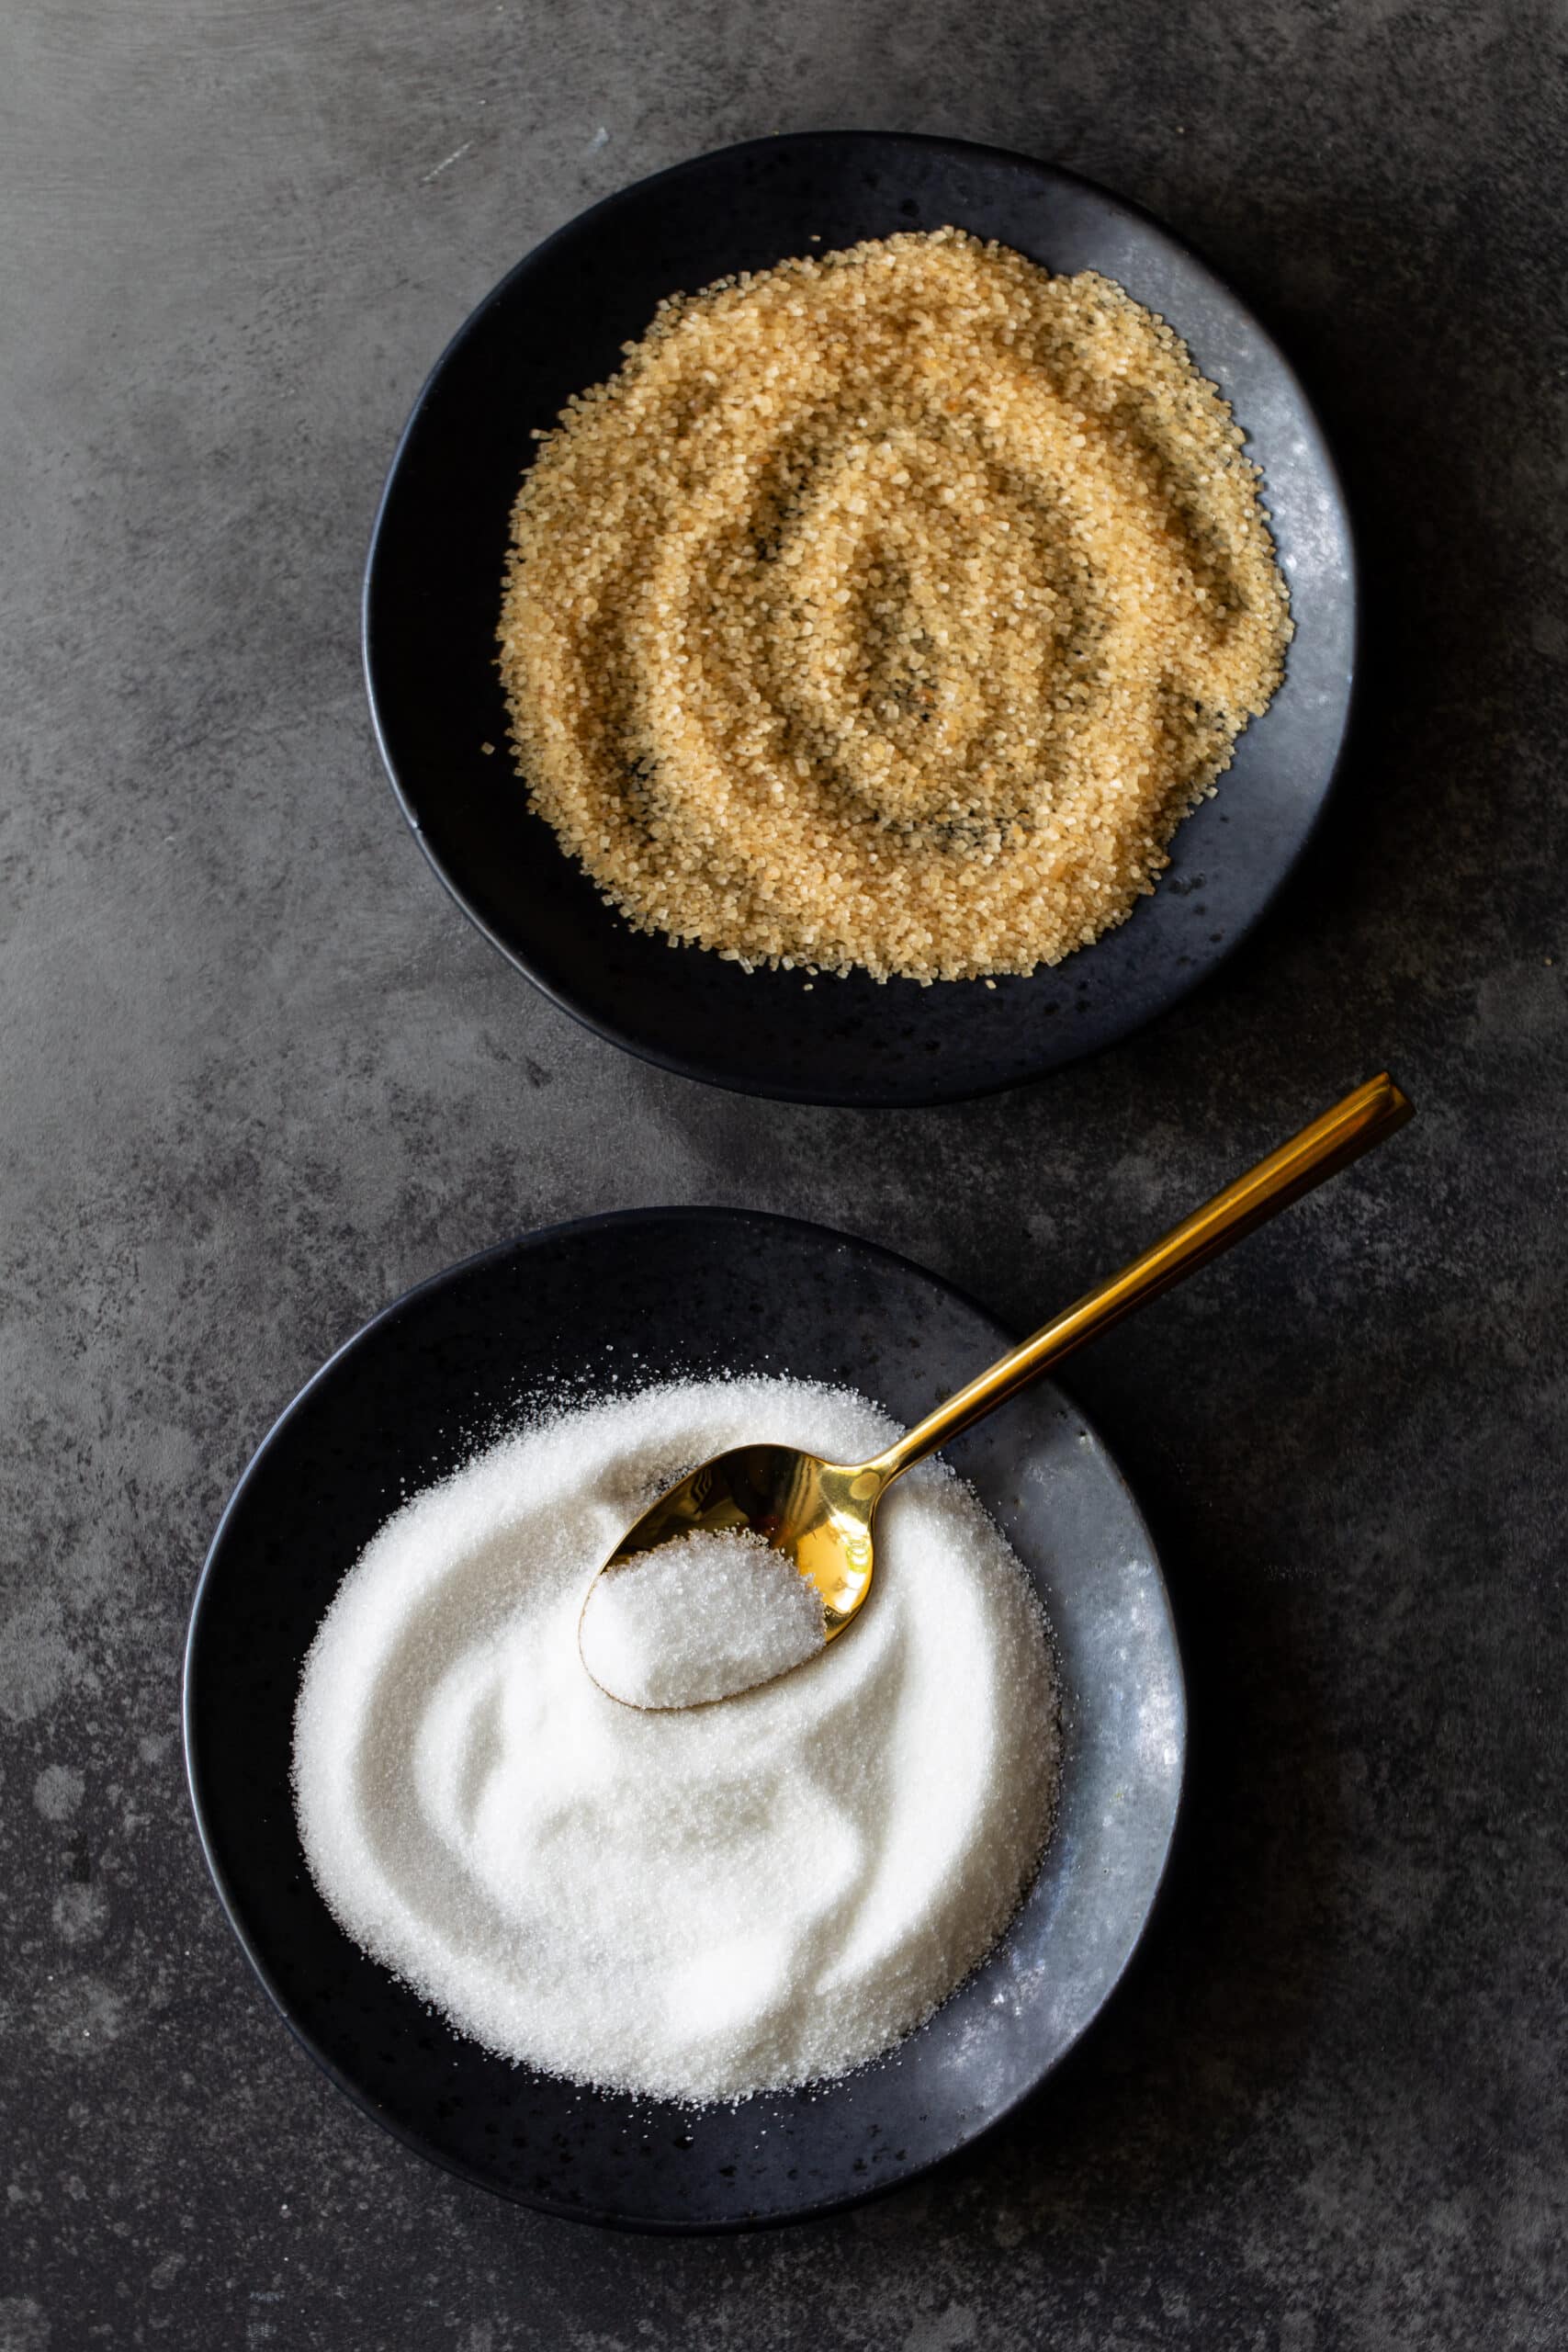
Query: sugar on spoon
[821,1515]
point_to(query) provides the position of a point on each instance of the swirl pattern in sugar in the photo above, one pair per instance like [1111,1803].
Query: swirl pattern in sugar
[888,610]
[690,1904]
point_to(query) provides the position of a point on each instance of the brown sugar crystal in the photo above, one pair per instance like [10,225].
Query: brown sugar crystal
[889,609]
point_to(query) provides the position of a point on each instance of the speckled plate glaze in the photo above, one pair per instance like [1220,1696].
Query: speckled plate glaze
[432,592]
[672,1292]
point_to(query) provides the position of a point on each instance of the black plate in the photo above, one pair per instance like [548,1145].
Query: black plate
[432,592]
[692,1289]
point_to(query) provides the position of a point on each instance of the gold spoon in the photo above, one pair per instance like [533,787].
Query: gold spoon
[820,1514]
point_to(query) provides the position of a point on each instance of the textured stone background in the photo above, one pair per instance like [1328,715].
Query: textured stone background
[259,1076]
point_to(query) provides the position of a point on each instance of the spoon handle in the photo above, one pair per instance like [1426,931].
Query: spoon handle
[1332,1142]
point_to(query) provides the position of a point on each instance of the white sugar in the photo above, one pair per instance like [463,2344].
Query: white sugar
[693,1904]
[704,1617]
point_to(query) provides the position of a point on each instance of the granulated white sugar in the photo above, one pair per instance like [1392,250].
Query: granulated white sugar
[704,1617]
[694,1904]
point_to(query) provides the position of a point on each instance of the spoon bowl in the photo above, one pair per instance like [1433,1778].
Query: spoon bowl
[819,1514]
[816,1514]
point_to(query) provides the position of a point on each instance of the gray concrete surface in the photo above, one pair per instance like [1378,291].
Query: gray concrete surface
[259,1076]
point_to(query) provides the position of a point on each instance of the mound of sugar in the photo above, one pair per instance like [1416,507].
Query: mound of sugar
[694,1904]
[890,607]
[704,1617]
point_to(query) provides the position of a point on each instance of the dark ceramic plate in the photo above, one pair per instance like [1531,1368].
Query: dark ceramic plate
[691,1290]
[432,589]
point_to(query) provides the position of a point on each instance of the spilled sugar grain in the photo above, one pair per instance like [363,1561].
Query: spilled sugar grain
[703,1618]
[696,1904]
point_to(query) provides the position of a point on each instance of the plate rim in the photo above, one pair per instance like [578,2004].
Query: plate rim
[951,1086]
[532,1237]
